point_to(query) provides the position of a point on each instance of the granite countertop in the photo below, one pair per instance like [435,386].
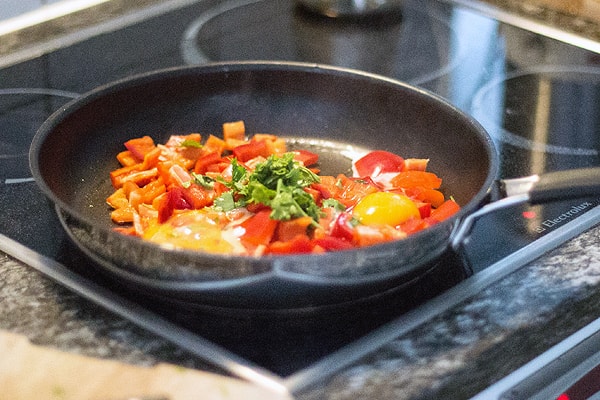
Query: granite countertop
[576,22]
[479,341]
[48,314]
[454,355]
[579,18]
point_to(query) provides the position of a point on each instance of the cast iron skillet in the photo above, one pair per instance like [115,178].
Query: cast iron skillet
[330,110]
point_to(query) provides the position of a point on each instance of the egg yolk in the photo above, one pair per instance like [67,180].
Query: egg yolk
[192,230]
[385,208]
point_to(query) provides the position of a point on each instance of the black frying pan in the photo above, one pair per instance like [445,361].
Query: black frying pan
[329,110]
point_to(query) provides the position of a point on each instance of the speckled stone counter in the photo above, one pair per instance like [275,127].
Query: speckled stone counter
[49,315]
[471,346]
[577,17]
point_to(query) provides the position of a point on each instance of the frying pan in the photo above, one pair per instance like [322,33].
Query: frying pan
[333,111]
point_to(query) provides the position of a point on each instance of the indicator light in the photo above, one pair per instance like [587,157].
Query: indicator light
[529,214]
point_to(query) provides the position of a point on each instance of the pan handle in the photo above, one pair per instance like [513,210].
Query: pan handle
[534,189]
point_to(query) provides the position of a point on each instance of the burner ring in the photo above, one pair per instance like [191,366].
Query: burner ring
[535,107]
[414,36]
[22,111]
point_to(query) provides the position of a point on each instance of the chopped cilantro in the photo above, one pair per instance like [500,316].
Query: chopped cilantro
[191,143]
[290,202]
[335,204]
[203,180]
[277,183]
[224,202]
[285,168]
[238,177]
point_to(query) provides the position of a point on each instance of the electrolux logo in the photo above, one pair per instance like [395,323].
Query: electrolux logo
[566,216]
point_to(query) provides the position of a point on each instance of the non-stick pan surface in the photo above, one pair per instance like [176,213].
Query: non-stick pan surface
[331,110]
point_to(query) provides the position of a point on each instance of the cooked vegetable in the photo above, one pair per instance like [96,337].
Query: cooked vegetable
[252,197]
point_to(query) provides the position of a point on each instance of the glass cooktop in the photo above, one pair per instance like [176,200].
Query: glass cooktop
[534,95]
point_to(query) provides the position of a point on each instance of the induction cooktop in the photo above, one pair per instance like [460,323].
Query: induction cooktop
[535,96]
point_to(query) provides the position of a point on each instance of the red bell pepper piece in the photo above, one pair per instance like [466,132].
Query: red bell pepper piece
[378,162]
[259,229]
[324,190]
[205,161]
[306,157]
[342,228]
[298,245]
[288,230]
[174,200]
[197,197]
[126,159]
[445,211]
[330,243]
[250,150]
[424,209]
[132,174]
[411,179]
[140,146]
[414,225]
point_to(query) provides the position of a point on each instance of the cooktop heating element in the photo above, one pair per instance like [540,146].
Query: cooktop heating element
[403,44]
[535,111]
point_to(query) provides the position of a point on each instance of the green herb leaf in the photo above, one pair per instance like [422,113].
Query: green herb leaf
[191,143]
[335,204]
[285,168]
[277,183]
[224,202]
[203,180]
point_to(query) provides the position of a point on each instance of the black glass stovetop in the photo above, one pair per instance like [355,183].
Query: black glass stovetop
[536,97]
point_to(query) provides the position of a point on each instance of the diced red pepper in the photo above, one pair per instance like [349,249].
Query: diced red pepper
[151,158]
[235,130]
[214,145]
[414,225]
[342,228]
[122,215]
[126,159]
[162,205]
[378,162]
[433,196]
[132,174]
[153,190]
[323,189]
[287,230]
[197,197]
[259,229]
[205,161]
[410,179]
[351,190]
[118,199]
[177,198]
[140,146]
[445,211]
[298,245]
[424,209]
[250,150]
[306,157]
[174,200]
[331,243]
[416,164]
